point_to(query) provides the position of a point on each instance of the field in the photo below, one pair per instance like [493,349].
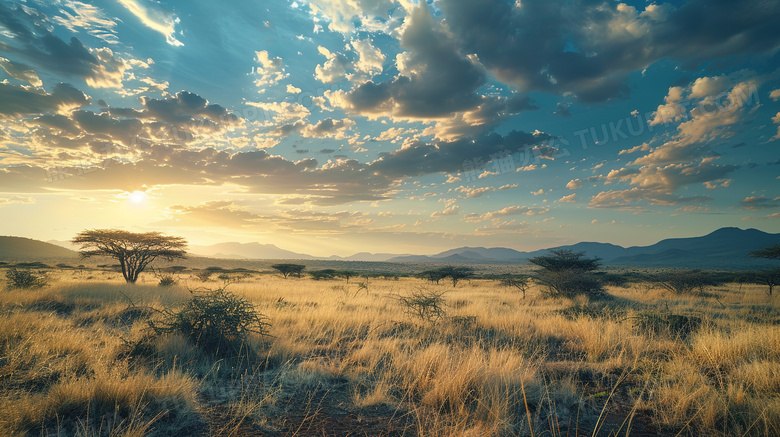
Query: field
[77,357]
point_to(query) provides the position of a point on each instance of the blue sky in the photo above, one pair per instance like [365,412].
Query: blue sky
[331,126]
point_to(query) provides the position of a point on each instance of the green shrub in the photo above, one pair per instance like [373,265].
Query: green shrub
[216,321]
[686,281]
[24,279]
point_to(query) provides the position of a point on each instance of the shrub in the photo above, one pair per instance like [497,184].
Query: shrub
[685,281]
[24,279]
[204,275]
[167,280]
[216,321]
[323,274]
[520,282]
[425,305]
[667,324]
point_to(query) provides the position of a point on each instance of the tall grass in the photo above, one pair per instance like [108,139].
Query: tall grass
[74,361]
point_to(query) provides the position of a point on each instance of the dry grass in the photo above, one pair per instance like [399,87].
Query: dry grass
[74,361]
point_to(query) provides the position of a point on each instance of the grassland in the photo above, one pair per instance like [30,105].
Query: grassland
[76,358]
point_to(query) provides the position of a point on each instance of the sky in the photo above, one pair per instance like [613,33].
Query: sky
[339,126]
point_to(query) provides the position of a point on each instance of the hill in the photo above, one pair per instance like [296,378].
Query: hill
[21,248]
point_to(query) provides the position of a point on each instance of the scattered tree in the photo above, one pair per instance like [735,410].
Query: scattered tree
[134,251]
[318,275]
[346,274]
[520,282]
[434,275]
[454,273]
[567,273]
[771,252]
[685,281]
[289,269]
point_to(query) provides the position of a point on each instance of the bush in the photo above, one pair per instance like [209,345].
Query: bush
[216,321]
[167,280]
[425,305]
[685,281]
[24,279]
[318,275]
[570,283]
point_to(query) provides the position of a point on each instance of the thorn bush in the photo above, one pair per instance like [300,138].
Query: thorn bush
[24,279]
[216,321]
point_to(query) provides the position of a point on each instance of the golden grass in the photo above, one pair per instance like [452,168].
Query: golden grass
[497,364]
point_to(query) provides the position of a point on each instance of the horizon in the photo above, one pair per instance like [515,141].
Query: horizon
[332,128]
[67,244]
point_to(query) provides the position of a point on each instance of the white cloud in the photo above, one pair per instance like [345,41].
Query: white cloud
[574,184]
[569,198]
[271,70]
[154,18]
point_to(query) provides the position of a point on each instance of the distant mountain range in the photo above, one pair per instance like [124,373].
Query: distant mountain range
[20,248]
[725,248]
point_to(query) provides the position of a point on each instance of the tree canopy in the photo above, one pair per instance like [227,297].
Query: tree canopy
[134,251]
[289,269]
[565,259]
[771,252]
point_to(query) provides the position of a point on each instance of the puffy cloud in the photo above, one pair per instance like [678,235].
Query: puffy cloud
[370,58]
[452,210]
[504,212]
[623,199]
[574,184]
[334,69]
[270,70]
[343,14]
[775,95]
[589,47]
[19,100]
[568,198]
[434,79]
[474,192]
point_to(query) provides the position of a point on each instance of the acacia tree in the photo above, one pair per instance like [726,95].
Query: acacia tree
[567,273]
[134,251]
[289,269]
[771,252]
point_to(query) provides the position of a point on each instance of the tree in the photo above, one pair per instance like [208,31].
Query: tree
[289,269]
[519,282]
[771,252]
[434,275]
[458,273]
[567,273]
[134,251]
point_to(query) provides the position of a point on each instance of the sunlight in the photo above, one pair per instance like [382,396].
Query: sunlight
[137,197]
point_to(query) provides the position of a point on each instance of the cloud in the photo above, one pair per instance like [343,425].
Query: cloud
[623,199]
[154,18]
[434,80]
[775,95]
[18,100]
[35,43]
[16,200]
[574,184]
[760,202]
[370,58]
[474,192]
[334,69]
[75,15]
[418,158]
[20,71]
[504,212]
[271,70]
[568,198]
[452,210]
[343,15]
[588,48]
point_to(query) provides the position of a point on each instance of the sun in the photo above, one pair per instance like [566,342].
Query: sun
[137,197]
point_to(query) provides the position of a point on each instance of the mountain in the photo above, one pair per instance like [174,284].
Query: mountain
[246,251]
[366,256]
[27,248]
[495,253]
[725,248]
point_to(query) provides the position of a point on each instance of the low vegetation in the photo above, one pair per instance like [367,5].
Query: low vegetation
[88,354]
